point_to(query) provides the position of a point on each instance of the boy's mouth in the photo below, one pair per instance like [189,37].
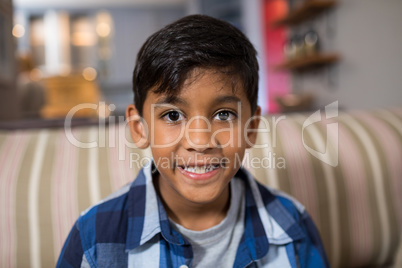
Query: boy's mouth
[200,169]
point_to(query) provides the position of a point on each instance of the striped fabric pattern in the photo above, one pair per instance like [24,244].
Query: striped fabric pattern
[356,205]
[46,180]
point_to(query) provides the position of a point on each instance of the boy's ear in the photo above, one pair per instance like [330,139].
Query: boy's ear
[252,127]
[138,131]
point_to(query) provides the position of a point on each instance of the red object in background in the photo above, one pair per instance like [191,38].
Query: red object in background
[278,83]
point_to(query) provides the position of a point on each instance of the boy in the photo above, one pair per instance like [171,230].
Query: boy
[195,93]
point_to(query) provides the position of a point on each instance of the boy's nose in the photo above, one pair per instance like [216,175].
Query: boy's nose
[198,134]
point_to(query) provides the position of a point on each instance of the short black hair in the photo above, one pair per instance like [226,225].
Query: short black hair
[168,56]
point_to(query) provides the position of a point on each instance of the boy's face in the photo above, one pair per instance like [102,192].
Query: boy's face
[198,137]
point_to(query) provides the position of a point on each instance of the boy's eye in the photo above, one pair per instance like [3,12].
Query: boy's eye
[225,116]
[173,116]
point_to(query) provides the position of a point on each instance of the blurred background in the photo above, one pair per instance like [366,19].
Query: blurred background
[57,54]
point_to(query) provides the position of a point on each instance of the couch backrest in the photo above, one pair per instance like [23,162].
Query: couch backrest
[352,190]
[347,171]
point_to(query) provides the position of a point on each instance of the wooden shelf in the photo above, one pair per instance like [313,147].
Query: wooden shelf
[308,10]
[306,62]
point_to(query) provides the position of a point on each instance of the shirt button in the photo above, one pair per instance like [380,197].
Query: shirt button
[183,266]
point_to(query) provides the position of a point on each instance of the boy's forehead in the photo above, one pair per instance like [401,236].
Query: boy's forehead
[209,80]
[163,99]
[214,92]
[205,75]
[212,77]
[209,86]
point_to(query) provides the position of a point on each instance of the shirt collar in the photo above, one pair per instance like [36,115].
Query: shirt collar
[280,226]
[146,214]
[267,220]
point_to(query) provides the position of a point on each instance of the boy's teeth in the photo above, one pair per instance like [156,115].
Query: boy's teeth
[200,169]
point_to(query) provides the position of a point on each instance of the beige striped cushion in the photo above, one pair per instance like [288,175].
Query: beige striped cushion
[46,180]
[356,205]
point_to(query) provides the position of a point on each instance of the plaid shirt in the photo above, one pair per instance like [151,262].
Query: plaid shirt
[131,229]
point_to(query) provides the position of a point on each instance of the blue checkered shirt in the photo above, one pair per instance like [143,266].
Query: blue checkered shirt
[131,229]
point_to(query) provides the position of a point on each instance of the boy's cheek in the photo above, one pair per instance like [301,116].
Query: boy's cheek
[227,137]
[165,138]
[233,137]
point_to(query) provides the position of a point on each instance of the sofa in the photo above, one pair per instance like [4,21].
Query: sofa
[345,167]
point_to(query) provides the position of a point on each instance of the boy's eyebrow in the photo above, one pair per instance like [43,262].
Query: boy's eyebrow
[226,99]
[171,100]
[174,100]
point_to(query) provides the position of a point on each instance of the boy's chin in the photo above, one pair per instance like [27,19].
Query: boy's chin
[205,199]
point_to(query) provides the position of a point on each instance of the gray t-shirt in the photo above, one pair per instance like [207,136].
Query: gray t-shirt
[217,246]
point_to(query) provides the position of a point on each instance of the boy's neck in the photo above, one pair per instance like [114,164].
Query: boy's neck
[193,216]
